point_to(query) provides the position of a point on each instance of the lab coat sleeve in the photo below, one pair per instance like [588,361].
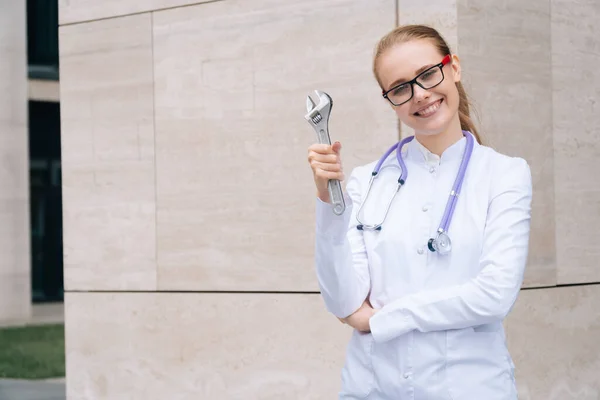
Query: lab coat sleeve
[340,254]
[492,293]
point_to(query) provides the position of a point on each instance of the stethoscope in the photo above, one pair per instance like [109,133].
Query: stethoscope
[441,243]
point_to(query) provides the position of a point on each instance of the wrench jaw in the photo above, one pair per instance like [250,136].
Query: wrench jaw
[324,99]
[310,104]
[318,115]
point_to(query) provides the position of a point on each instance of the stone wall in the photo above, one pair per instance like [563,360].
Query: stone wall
[189,205]
[15,247]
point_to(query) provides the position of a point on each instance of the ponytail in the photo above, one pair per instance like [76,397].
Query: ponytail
[466,123]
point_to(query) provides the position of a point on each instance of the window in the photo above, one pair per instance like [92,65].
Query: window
[42,39]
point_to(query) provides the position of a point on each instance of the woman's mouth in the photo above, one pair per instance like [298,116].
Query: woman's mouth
[429,110]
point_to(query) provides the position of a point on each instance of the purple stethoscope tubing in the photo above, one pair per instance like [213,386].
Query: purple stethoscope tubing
[452,199]
[403,175]
[398,147]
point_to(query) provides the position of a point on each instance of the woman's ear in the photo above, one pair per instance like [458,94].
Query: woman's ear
[456,68]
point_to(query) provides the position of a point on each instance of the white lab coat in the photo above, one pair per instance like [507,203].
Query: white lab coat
[438,334]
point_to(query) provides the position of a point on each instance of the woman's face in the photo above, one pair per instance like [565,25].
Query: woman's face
[431,111]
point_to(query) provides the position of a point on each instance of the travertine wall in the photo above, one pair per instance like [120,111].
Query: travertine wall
[15,265]
[188,203]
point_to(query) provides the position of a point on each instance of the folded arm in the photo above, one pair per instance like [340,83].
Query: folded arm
[491,294]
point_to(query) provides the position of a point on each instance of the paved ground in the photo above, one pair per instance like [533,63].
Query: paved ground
[30,390]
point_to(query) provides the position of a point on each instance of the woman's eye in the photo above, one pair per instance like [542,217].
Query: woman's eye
[400,90]
[427,74]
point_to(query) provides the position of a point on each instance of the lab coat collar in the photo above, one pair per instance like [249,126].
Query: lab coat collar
[419,153]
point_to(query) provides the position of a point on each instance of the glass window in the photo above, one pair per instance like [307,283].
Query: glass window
[42,39]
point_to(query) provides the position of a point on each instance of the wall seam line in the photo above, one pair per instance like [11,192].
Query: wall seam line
[554,183]
[155,150]
[84,21]
[283,291]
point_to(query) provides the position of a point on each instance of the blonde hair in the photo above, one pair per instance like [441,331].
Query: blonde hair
[407,33]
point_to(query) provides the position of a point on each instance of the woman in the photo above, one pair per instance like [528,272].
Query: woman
[426,310]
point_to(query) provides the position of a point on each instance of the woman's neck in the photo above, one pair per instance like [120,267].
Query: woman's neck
[438,143]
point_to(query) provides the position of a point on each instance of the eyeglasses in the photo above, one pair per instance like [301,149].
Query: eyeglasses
[427,79]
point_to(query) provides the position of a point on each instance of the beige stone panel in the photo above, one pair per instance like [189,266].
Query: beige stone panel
[576,97]
[15,238]
[181,346]
[13,66]
[235,192]
[14,149]
[15,260]
[439,14]
[73,11]
[15,263]
[505,52]
[15,297]
[553,338]
[108,155]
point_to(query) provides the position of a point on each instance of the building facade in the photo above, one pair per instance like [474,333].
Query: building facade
[31,235]
[188,205]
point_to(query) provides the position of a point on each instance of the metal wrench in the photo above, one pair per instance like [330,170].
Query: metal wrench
[318,117]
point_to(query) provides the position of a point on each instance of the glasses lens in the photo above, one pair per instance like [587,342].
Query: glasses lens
[431,77]
[400,94]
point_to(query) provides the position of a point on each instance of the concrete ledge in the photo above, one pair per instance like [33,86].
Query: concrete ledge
[41,314]
[42,90]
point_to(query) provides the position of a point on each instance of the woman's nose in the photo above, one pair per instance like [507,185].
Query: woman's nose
[419,93]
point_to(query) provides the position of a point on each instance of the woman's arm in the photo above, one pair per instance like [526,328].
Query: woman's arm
[340,254]
[488,297]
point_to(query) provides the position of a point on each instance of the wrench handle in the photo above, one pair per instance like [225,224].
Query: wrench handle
[336,196]
[335,187]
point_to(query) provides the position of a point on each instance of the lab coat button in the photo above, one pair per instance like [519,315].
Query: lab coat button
[432,170]
[420,250]
[425,208]
[406,375]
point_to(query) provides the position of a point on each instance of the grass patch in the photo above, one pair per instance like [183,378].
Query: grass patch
[32,352]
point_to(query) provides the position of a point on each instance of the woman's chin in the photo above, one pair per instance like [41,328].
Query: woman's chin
[430,126]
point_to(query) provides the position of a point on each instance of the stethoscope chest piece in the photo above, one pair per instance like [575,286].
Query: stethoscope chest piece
[440,244]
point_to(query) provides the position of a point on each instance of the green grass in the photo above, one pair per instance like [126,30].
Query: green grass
[32,352]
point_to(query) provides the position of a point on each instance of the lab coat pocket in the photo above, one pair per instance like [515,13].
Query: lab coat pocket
[357,374]
[477,367]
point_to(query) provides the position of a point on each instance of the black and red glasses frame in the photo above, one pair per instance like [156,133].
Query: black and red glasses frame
[410,83]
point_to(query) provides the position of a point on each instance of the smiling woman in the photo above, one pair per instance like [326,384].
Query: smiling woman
[412,45]
[427,287]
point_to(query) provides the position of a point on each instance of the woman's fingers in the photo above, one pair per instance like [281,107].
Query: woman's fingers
[326,165]
[323,175]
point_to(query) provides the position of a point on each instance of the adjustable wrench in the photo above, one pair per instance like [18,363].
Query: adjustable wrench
[318,117]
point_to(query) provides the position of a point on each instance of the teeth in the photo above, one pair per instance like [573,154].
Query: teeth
[430,110]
